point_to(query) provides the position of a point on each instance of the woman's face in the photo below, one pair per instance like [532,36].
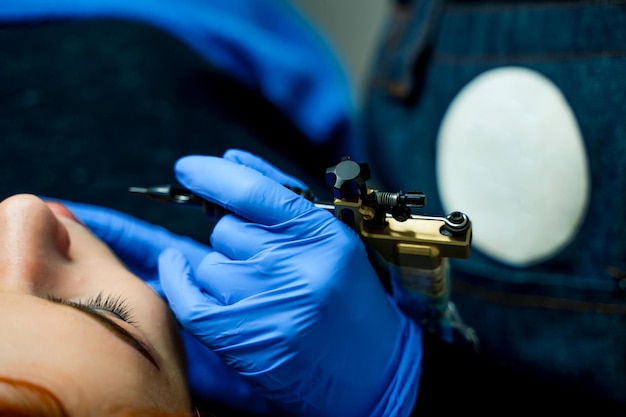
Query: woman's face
[61,326]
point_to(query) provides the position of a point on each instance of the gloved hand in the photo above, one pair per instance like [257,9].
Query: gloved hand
[288,298]
[138,244]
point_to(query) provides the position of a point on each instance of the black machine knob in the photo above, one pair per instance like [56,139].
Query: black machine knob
[348,178]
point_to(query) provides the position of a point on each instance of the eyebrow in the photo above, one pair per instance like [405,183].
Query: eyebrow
[117,330]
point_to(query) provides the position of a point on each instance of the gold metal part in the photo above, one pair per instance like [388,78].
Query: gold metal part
[417,242]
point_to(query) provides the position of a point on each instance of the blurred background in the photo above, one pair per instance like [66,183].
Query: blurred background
[77,90]
[354,36]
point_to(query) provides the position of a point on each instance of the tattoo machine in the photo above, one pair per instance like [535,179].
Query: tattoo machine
[412,248]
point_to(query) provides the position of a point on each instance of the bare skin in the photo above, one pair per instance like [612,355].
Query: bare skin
[50,264]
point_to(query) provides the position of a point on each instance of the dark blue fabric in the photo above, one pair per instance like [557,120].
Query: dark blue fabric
[564,319]
[265,44]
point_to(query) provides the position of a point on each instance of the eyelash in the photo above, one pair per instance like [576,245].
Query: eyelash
[113,304]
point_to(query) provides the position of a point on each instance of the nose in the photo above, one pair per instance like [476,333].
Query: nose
[33,244]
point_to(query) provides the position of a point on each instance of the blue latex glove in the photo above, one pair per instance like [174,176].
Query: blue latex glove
[138,244]
[288,298]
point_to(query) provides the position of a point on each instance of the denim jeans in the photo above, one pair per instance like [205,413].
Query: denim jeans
[563,318]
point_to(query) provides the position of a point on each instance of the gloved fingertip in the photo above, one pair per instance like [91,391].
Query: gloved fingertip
[236,155]
[263,166]
[185,296]
[174,275]
[191,163]
[172,256]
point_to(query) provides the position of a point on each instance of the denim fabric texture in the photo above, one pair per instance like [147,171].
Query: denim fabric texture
[563,319]
[92,107]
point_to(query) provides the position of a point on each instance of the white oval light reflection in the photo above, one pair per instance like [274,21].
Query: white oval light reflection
[511,156]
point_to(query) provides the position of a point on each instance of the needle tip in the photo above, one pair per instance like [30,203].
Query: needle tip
[138,190]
